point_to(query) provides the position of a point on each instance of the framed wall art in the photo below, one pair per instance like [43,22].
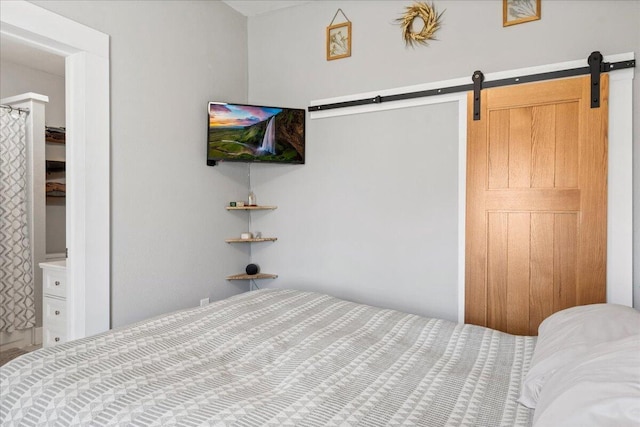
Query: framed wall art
[339,38]
[519,11]
[339,41]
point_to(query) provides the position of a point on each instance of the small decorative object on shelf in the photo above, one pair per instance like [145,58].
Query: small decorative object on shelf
[246,236]
[239,204]
[252,199]
[232,204]
[252,269]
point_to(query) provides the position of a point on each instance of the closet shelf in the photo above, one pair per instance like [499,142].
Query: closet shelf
[55,166]
[55,189]
[55,135]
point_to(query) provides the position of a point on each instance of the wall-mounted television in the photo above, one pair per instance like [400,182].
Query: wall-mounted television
[252,133]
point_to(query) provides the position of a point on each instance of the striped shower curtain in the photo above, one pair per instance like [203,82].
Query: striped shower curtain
[17,309]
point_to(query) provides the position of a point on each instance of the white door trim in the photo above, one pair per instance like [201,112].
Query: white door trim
[620,201]
[87,121]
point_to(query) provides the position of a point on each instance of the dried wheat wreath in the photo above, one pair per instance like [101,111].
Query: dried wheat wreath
[431,19]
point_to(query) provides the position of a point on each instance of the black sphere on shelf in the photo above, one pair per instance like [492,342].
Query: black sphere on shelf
[252,269]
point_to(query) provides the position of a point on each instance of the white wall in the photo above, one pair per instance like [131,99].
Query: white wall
[16,79]
[369,217]
[168,222]
[287,67]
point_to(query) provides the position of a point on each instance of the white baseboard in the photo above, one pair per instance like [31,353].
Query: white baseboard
[19,339]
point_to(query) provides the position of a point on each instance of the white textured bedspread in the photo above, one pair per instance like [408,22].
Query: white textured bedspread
[277,358]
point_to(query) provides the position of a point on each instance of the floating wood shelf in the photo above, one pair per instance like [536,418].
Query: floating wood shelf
[257,239]
[54,141]
[252,240]
[252,276]
[250,208]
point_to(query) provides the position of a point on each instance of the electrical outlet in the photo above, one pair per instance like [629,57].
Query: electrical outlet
[204,302]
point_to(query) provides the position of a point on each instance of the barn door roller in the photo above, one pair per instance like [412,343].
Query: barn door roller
[596,66]
[478,78]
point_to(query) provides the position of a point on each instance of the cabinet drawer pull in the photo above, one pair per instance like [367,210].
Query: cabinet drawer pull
[57,283]
[56,339]
[57,312]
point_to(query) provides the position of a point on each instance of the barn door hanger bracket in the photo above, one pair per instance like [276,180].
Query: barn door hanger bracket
[477,78]
[596,66]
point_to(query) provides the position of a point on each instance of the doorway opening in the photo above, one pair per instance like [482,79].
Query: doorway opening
[86,58]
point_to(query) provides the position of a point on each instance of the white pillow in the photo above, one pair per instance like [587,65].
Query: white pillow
[567,334]
[601,389]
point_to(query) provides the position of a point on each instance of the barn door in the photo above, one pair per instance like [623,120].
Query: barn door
[536,203]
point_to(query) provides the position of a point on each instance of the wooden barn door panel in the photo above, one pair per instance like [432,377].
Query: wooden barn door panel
[536,204]
[542,272]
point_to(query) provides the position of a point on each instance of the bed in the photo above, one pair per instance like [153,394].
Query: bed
[277,358]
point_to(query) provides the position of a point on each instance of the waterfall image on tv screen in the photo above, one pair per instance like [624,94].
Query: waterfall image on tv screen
[249,133]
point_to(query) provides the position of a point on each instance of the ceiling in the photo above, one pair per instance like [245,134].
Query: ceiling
[12,50]
[255,7]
